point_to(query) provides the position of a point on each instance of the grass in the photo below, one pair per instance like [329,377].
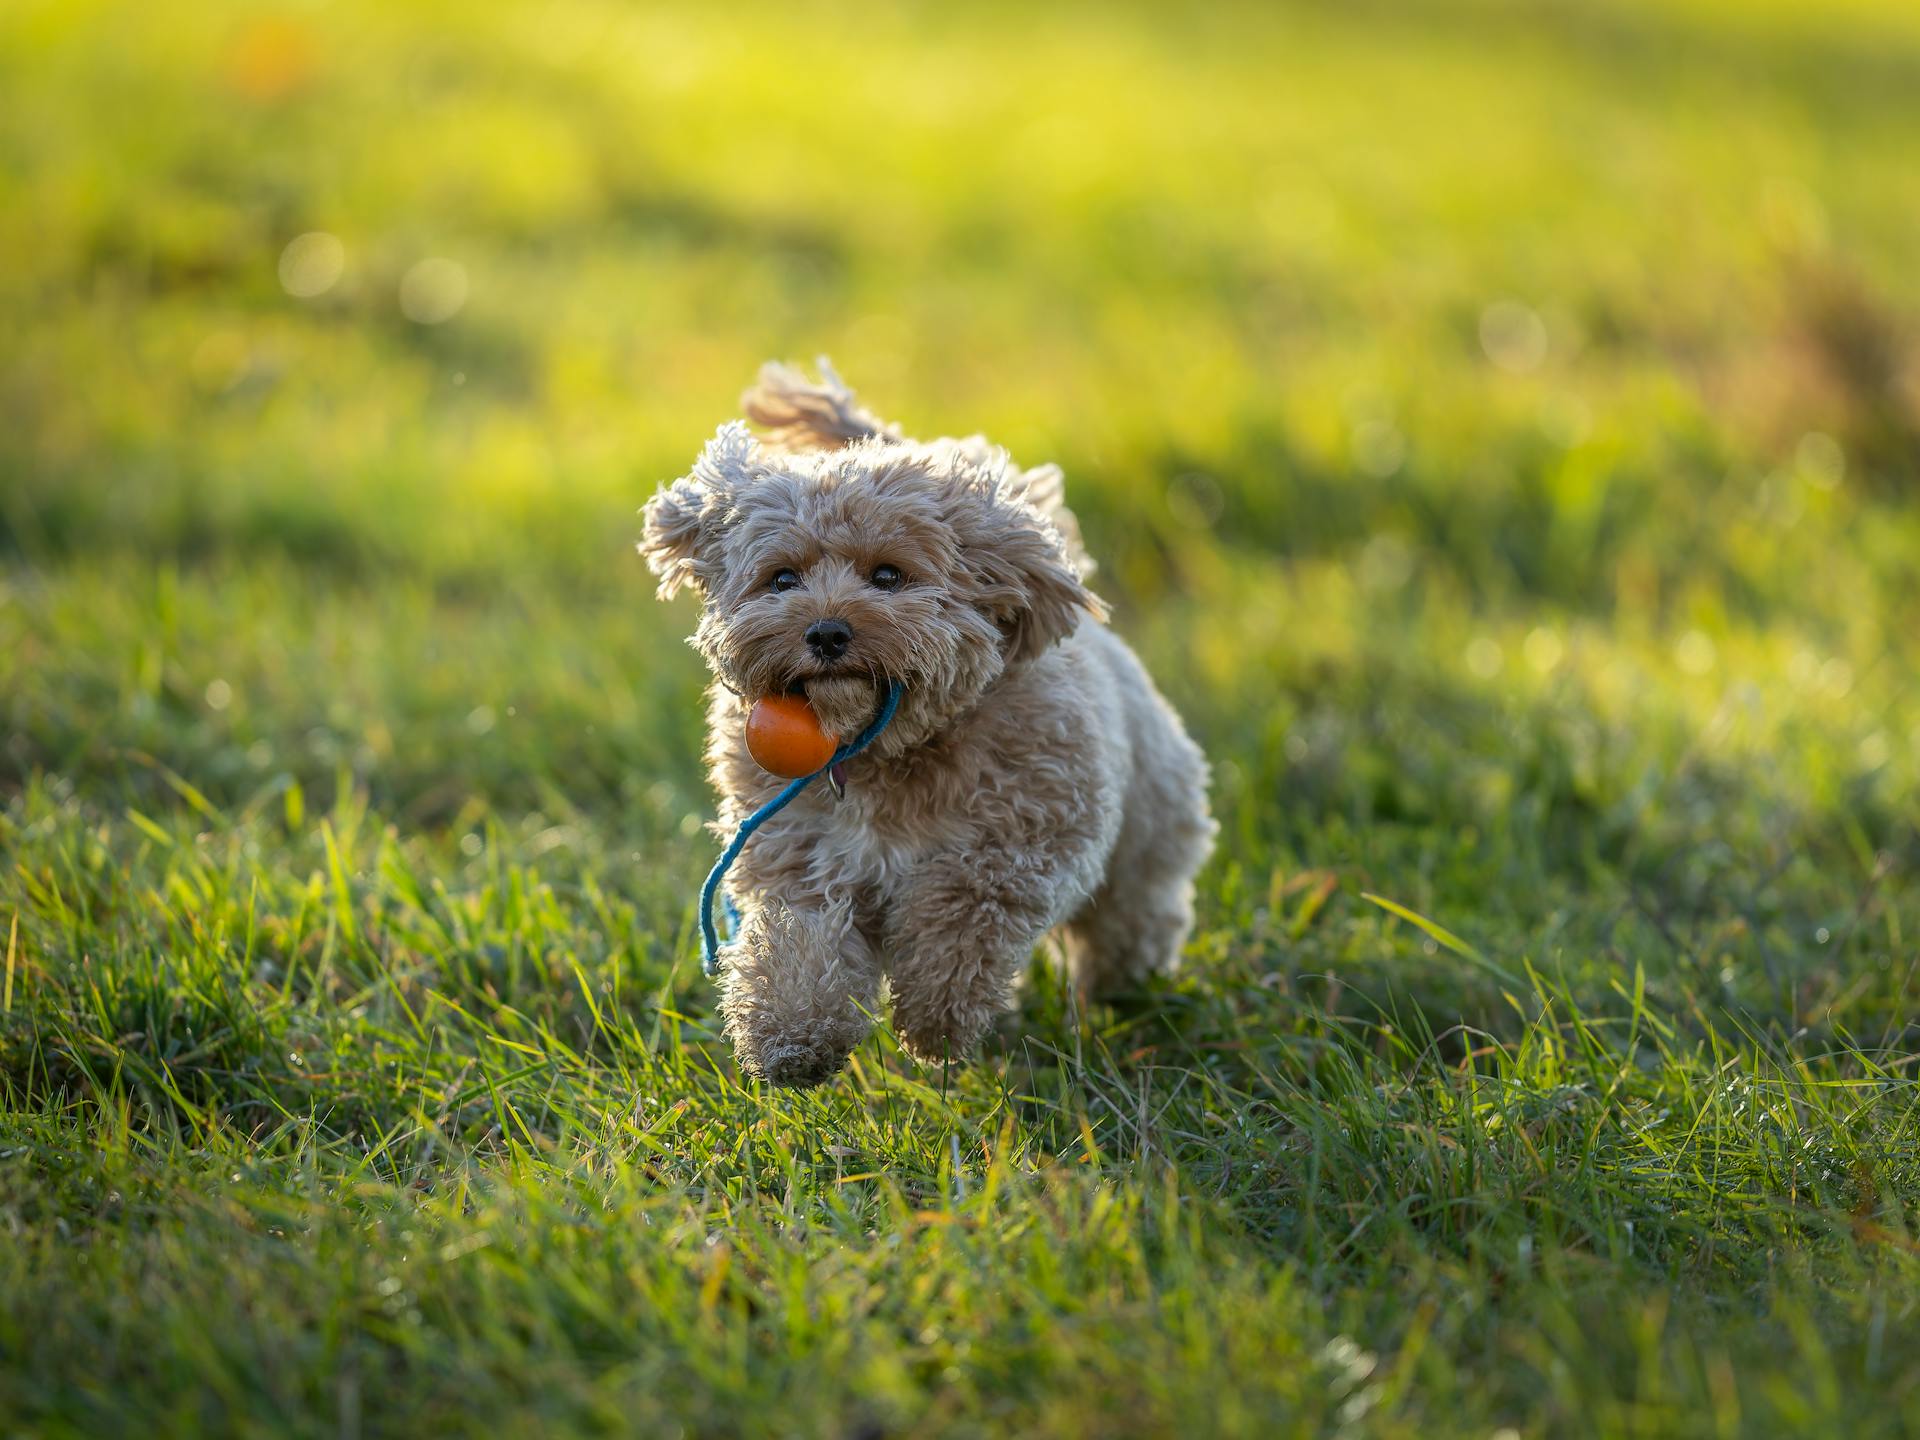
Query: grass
[1499,426]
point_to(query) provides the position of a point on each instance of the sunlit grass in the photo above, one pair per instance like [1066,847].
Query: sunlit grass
[1497,427]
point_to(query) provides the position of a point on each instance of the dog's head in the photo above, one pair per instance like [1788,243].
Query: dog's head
[832,572]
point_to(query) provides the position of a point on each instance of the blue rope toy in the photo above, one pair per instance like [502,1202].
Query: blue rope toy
[709,937]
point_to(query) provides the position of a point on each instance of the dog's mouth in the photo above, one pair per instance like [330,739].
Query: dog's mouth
[802,687]
[801,684]
[844,698]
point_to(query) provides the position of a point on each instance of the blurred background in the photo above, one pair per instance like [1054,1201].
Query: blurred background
[1498,426]
[1498,423]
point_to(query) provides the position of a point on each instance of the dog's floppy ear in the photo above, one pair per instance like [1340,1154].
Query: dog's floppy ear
[684,521]
[1024,572]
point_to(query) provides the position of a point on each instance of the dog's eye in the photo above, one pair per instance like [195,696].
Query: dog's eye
[784,580]
[887,577]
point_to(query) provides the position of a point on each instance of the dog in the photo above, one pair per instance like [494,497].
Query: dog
[1032,780]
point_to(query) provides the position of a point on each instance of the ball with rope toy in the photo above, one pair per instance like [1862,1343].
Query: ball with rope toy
[788,736]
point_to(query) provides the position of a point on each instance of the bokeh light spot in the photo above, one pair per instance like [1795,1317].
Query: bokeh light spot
[1379,449]
[1386,562]
[312,264]
[1875,751]
[1695,653]
[220,361]
[1543,649]
[433,291]
[1821,459]
[1484,658]
[1513,336]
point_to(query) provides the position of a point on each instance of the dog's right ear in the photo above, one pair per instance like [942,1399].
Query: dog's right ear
[684,521]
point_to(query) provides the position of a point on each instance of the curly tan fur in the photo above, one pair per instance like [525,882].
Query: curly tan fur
[1033,780]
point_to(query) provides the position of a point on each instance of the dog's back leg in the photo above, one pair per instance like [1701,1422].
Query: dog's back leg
[1135,924]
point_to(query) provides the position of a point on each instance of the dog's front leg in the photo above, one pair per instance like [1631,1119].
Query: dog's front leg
[959,937]
[798,989]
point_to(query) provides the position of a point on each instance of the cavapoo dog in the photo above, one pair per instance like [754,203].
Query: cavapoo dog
[1032,778]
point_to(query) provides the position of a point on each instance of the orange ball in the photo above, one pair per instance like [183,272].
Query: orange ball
[784,736]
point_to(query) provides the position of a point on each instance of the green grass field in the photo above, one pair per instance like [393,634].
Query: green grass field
[1499,427]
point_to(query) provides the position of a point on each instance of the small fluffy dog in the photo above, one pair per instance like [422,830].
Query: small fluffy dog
[1032,778]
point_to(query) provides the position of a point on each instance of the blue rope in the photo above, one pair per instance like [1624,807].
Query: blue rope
[709,938]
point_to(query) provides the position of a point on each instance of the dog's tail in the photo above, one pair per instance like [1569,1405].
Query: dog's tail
[800,415]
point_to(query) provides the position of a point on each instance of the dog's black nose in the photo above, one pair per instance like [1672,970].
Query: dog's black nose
[829,638]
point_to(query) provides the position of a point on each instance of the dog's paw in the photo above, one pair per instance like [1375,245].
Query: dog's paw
[795,993]
[941,1027]
[798,1067]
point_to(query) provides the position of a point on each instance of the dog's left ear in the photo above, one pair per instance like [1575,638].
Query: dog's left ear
[684,521]
[1023,571]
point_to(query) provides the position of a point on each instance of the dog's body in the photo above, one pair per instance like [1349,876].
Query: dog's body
[1033,778]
